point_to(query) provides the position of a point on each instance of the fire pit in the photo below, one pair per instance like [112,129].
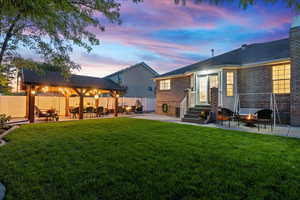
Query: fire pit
[250,120]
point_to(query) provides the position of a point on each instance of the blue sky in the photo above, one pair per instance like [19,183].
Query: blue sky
[168,36]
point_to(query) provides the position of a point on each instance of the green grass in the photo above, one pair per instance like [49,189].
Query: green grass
[140,159]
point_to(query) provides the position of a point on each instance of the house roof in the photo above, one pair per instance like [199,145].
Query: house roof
[247,54]
[142,64]
[74,81]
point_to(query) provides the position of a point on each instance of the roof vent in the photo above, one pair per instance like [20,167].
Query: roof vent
[244,46]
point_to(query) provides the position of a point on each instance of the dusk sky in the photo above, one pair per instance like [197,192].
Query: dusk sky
[168,36]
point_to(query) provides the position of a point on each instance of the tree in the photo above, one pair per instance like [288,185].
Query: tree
[50,28]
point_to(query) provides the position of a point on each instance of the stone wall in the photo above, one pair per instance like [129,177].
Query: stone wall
[172,97]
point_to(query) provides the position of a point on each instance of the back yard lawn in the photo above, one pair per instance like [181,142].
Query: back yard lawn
[139,159]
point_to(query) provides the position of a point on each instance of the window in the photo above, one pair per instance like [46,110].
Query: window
[281,75]
[229,83]
[165,84]
[213,82]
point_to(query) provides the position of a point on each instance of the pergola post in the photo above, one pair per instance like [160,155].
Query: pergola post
[67,104]
[97,102]
[31,103]
[115,95]
[81,95]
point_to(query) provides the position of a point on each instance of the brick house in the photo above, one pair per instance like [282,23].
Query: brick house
[249,77]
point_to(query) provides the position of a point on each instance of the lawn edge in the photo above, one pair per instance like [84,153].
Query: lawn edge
[2,141]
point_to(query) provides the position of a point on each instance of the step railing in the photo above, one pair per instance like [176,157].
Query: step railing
[183,107]
[188,101]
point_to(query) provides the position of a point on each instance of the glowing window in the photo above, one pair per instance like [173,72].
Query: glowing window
[229,83]
[213,82]
[281,75]
[165,84]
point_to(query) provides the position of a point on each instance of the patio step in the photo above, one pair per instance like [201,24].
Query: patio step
[193,120]
[193,114]
[199,109]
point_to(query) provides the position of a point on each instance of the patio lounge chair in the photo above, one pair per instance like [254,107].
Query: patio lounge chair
[264,117]
[226,114]
[48,114]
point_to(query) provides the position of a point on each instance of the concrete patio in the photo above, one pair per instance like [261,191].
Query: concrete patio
[280,130]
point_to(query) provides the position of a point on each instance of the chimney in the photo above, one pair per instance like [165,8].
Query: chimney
[212,52]
[295,71]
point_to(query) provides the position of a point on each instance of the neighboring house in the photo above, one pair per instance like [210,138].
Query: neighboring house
[138,79]
[253,73]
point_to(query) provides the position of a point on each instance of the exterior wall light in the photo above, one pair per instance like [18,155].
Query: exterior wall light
[96,96]
[33,92]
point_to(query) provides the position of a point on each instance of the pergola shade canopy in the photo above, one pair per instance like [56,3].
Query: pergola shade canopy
[73,81]
[74,84]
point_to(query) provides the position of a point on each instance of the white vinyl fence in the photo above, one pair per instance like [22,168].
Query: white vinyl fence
[15,106]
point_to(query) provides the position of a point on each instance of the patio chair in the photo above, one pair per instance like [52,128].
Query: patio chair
[90,111]
[226,114]
[120,109]
[74,112]
[139,109]
[99,111]
[133,109]
[264,117]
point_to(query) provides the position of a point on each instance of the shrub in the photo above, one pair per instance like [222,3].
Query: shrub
[3,120]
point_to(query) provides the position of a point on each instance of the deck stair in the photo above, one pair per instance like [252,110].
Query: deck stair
[193,114]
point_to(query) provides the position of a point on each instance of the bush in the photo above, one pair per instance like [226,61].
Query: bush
[3,120]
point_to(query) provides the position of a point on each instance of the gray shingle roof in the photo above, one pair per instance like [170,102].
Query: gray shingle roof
[252,53]
[74,81]
[142,64]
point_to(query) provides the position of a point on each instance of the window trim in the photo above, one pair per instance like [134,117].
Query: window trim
[231,84]
[162,82]
[280,79]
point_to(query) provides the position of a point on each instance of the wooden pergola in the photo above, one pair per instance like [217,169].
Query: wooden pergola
[34,83]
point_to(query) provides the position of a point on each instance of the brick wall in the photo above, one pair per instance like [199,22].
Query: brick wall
[259,80]
[172,97]
[295,79]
